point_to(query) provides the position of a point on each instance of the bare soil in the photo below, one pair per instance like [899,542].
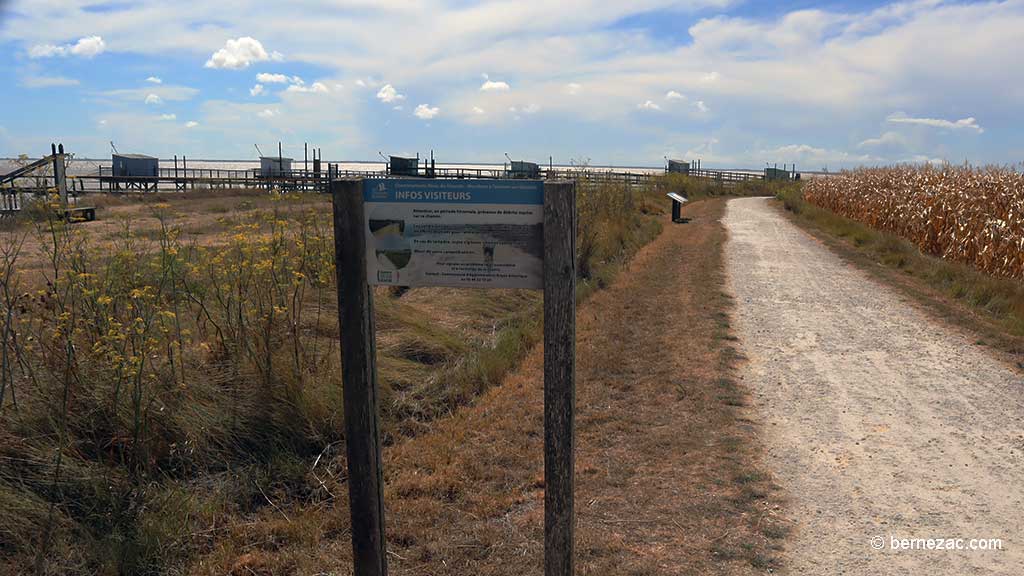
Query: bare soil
[880,421]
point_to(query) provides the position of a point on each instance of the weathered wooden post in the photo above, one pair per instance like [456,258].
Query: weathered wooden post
[59,177]
[359,374]
[379,250]
[559,376]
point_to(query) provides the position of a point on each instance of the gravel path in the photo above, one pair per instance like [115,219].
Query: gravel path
[879,421]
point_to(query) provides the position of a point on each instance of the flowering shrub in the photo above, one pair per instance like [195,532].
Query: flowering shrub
[152,385]
[138,358]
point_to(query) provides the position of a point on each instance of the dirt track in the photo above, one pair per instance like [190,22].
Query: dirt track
[879,421]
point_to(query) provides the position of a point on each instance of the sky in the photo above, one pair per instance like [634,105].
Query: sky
[733,83]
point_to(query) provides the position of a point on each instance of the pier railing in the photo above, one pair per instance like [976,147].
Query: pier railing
[181,179]
[10,202]
[184,179]
[725,175]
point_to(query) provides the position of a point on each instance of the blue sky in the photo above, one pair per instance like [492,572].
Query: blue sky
[738,84]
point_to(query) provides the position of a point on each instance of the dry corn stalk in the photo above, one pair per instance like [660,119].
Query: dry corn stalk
[971,215]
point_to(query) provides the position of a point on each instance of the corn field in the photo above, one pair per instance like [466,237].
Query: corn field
[970,215]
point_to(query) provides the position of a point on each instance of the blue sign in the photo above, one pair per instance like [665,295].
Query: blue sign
[461,233]
[454,191]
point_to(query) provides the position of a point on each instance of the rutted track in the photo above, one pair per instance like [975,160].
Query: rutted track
[879,421]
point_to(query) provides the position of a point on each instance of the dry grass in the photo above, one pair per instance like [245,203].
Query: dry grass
[200,216]
[668,473]
[970,215]
[699,188]
[168,374]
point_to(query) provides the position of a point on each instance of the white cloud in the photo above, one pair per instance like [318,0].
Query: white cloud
[710,77]
[478,111]
[165,92]
[705,151]
[886,139]
[153,99]
[46,51]
[962,124]
[815,156]
[89,46]
[86,47]
[267,113]
[388,94]
[809,74]
[802,150]
[191,124]
[315,87]
[673,95]
[267,78]
[922,159]
[425,112]
[701,107]
[154,80]
[648,105]
[492,86]
[168,116]
[236,124]
[528,109]
[240,53]
[296,84]
[47,81]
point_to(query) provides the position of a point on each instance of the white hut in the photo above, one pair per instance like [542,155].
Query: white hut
[275,166]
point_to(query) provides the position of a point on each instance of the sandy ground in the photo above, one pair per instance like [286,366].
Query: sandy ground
[879,421]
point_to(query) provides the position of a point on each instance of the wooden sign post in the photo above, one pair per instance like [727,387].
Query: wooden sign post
[359,375]
[395,241]
[559,377]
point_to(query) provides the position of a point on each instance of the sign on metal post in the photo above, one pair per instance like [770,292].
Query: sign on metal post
[677,205]
[458,233]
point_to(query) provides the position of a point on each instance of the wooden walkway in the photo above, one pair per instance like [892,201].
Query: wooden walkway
[171,179]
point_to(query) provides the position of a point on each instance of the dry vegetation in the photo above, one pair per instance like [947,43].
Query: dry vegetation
[700,188]
[964,214]
[173,369]
[669,479]
[990,305]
